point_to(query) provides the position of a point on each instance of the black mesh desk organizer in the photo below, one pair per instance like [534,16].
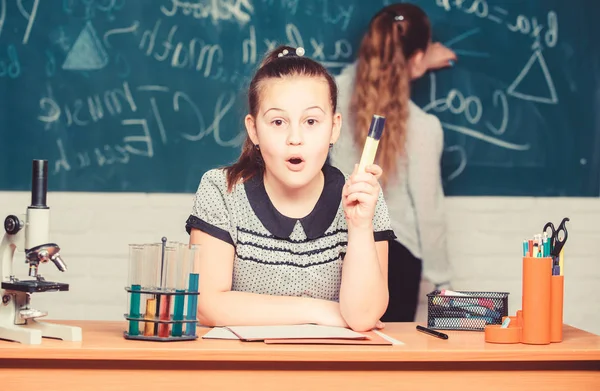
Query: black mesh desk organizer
[466,310]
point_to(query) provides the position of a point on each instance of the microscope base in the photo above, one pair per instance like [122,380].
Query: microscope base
[20,334]
[32,332]
[52,330]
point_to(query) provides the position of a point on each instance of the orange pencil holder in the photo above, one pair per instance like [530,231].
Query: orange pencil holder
[557,288]
[540,321]
[537,282]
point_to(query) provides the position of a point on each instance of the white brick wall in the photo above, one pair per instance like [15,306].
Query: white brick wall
[485,236]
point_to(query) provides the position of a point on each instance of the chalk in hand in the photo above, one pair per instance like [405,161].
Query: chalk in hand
[372,142]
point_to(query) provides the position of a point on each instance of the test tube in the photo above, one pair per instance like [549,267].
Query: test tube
[151,282]
[167,284]
[182,274]
[193,281]
[135,276]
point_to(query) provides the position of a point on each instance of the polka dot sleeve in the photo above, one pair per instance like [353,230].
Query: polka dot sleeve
[210,212]
[382,226]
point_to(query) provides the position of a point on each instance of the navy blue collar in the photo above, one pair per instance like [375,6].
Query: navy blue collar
[315,223]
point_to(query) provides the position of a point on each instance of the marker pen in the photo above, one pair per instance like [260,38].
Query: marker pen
[432,332]
[372,142]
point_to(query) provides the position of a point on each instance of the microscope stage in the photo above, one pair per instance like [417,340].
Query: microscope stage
[32,286]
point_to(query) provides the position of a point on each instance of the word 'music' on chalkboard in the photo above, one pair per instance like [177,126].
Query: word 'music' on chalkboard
[145,96]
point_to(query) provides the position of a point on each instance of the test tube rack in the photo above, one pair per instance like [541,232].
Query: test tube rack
[162,292]
[153,327]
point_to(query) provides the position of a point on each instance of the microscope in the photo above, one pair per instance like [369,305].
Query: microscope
[29,232]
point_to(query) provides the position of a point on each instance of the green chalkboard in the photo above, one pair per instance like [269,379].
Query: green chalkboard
[145,96]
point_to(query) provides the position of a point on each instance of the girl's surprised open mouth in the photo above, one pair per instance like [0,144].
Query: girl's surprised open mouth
[295,163]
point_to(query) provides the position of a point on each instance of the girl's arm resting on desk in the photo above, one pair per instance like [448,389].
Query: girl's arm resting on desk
[219,306]
[364,294]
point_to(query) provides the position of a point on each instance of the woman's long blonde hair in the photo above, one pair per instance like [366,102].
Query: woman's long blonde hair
[382,84]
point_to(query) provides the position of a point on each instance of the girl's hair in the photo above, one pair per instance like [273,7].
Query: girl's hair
[250,162]
[382,84]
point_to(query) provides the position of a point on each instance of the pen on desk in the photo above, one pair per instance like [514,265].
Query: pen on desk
[433,333]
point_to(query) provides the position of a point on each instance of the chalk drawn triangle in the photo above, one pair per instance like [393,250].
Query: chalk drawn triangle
[87,53]
[536,58]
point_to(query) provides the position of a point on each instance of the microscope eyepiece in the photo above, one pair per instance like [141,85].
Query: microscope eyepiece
[39,184]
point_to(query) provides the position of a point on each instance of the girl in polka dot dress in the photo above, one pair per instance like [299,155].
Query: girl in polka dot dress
[284,237]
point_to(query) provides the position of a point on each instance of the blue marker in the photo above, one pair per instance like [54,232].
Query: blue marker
[506,323]
[525,248]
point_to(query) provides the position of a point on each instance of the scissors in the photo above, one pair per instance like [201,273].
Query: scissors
[555,237]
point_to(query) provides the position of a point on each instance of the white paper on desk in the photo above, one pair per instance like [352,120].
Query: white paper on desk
[220,333]
[394,341]
[302,331]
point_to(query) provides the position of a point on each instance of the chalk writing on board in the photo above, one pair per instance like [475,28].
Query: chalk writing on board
[479,8]
[192,54]
[122,104]
[471,109]
[330,12]
[60,38]
[461,37]
[29,15]
[2,15]
[292,5]
[531,27]
[341,15]
[50,63]
[10,66]
[216,10]
[91,109]
[528,26]
[249,47]
[525,26]
[338,54]
[537,60]
[87,53]
[90,7]
[462,156]
[288,5]
[122,30]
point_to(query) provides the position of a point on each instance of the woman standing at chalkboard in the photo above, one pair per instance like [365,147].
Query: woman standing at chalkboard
[396,49]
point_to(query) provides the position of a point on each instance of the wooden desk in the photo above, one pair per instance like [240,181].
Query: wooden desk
[104,360]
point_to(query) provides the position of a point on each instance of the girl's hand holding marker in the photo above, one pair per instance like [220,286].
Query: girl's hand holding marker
[362,189]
